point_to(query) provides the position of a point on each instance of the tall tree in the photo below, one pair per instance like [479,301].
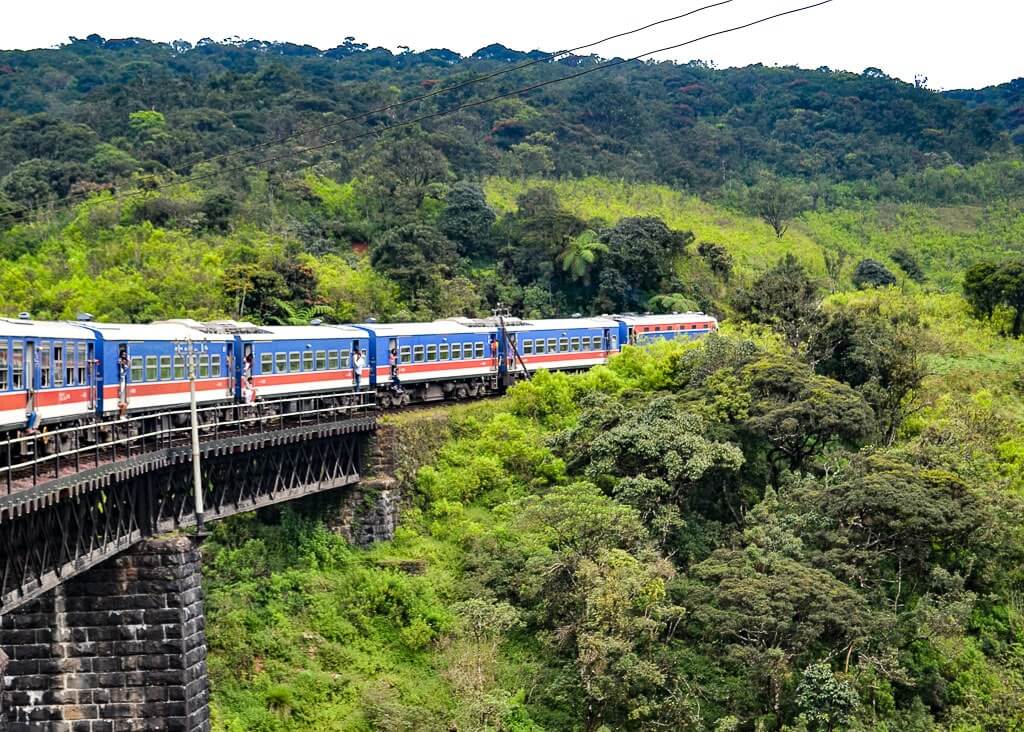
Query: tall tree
[784,298]
[777,202]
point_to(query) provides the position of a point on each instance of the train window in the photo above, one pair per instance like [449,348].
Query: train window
[574,344]
[58,364]
[151,372]
[417,354]
[165,368]
[69,364]
[215,366]
[44,366]
[563,345]
[3,367]
[332,360]
[552,345]
[136,368]
[431,352]
[204,366]
[527,348]
[83,364]
[444,352]
[345,355]
[307,360]
[405,354]
[266,363]
[539,345]
[456,351]
[179,365]
[614,343]
[281,363]
[17,365]
[478,349]
[321,360]
[294,361]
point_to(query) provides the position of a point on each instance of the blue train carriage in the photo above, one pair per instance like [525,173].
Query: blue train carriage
[281,361]
[445,359]
[641,329]
[569,344]
[144,368]
[47,374]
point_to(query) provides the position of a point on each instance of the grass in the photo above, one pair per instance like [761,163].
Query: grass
[946,240]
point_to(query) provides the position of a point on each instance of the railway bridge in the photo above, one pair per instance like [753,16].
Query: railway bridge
[101,614]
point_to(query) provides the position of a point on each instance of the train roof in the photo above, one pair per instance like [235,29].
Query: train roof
[562,324]
[436,327]
[664,319]
[303,332]
[160,331]
[20,328]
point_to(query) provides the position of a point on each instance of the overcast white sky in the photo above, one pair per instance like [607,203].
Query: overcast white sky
[954,43]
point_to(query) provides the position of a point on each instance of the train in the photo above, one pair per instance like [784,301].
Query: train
[70,373]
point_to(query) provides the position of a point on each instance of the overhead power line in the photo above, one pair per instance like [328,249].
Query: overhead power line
[376,132]
[144,180]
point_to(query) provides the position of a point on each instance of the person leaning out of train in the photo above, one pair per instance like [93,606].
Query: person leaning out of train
[358,363]
[396,385]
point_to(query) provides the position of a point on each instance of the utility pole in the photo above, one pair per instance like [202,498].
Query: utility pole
[197,480]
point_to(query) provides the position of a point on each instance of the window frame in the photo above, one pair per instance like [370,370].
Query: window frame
[431,352]
[457,351]
[4,366]
[345,354]
[478,349]
[418,353]
[17,365]
[527,347]
[443,352]
[137,369]
[320,361]
[216,369]
[333,359]
[294,362]
[307,360]
[166,368]
[179,367]
[152,370]
[574,343]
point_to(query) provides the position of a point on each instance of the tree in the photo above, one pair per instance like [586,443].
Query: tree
[834,261]
[784,298]
[979,290]
[988,286]
[777,201]
[654,456]
[825,701]
[871,273]
[641,255]
[717,257]
[580,256]
[798,413]
[909,264]
[467,220]
[875,353]
[414,255]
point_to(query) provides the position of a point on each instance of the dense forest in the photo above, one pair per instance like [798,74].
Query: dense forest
[813,520]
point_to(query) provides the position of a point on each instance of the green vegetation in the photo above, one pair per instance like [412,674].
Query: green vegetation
[810,521]
[699,536]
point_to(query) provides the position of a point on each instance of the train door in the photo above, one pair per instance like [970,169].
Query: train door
[31,377]
[124,365]
[89,371]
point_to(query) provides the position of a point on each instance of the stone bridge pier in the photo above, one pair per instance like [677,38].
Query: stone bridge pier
[119,647]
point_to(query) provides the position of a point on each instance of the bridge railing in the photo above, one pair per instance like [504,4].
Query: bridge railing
[30,460]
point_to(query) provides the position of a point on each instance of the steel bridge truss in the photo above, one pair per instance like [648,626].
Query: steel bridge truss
[71,523]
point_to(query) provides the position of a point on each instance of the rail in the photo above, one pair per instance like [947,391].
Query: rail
[43,456]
